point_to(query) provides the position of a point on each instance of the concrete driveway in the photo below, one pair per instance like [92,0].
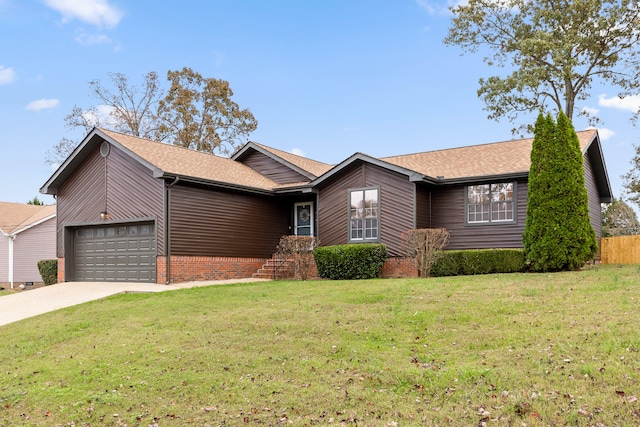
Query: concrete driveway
[22,305]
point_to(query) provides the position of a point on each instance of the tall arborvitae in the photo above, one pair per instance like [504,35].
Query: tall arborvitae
[558,233]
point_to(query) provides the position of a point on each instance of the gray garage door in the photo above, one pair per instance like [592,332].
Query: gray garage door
[120,253]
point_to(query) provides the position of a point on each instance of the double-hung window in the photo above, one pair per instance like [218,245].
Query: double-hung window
[364,214]
[490,203]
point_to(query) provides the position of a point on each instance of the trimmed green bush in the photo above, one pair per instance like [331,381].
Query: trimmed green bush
[348,262]
[49,271]
[480,261]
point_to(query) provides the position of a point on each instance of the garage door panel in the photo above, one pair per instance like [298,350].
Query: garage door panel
[115,253]
[146,244]
[145,260]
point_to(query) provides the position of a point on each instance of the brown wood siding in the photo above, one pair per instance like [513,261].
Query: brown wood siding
[595,214]
[396,205]
[131,193]
[225,224]
[272,169]
[447,209]
[423,206]
[29,247]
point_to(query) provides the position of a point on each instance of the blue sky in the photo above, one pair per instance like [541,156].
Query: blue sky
[324,78]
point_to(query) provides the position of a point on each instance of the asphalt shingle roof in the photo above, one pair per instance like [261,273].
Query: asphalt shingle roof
[175,160]
[482,160]
[16,216]
[477,160]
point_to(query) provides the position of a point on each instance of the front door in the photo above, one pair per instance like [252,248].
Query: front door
[303,219]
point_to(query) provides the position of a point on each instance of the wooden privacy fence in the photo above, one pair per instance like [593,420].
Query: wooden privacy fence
[620,249]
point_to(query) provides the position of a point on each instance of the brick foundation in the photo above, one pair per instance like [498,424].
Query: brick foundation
[195,268]
[393,267]
[60,270]
[398,267]
[188,269]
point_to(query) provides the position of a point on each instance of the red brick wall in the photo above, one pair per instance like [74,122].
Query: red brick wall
[195,268]
[399,267]
[393,267]
[188,269]
[60,270]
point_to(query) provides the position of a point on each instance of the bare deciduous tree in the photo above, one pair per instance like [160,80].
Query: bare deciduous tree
[423,245]
[297,253]
[195,112]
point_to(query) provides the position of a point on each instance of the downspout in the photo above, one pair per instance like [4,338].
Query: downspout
[430,212]
[11,237]
[167,226]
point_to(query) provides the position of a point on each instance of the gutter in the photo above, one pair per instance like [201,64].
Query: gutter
[218,184]
[167,226]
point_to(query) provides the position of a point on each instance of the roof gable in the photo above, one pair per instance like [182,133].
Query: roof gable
[302,165]
[478,162]
[165,161]
[361,157]
[17,217]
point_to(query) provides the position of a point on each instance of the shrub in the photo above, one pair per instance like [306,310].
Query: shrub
[49,271]
[424,246]
[480,261]
[346,262]
[298,251]
[558,234]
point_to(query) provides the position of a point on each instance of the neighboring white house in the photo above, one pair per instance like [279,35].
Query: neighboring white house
[27,235]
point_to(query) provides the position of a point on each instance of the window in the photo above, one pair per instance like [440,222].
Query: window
[490,203]
[364,215]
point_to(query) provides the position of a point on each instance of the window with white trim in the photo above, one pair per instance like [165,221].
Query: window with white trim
[364,214]
[490,203]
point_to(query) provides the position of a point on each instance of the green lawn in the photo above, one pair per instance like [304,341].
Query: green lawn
[508,350]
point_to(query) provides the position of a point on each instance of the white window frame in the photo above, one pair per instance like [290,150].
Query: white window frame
[364,214]
[494,207]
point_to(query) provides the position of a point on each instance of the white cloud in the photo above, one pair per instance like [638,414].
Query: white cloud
[95,12]
[87,39]
[629,103]
[42,104]
[297,151]
[605,133]
[433,7]
[426,5]
[7,74]
[101,116]
[591,111]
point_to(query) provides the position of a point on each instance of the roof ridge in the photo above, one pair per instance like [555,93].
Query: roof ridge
[462,147]
[167,144]
[474,145]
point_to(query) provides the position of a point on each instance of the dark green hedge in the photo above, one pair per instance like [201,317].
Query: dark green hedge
[49,271]
[479,261]
[356,261]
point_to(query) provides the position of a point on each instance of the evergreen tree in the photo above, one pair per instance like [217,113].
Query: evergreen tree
[558,233]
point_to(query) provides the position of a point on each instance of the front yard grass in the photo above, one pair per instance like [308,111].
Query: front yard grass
[512,349]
